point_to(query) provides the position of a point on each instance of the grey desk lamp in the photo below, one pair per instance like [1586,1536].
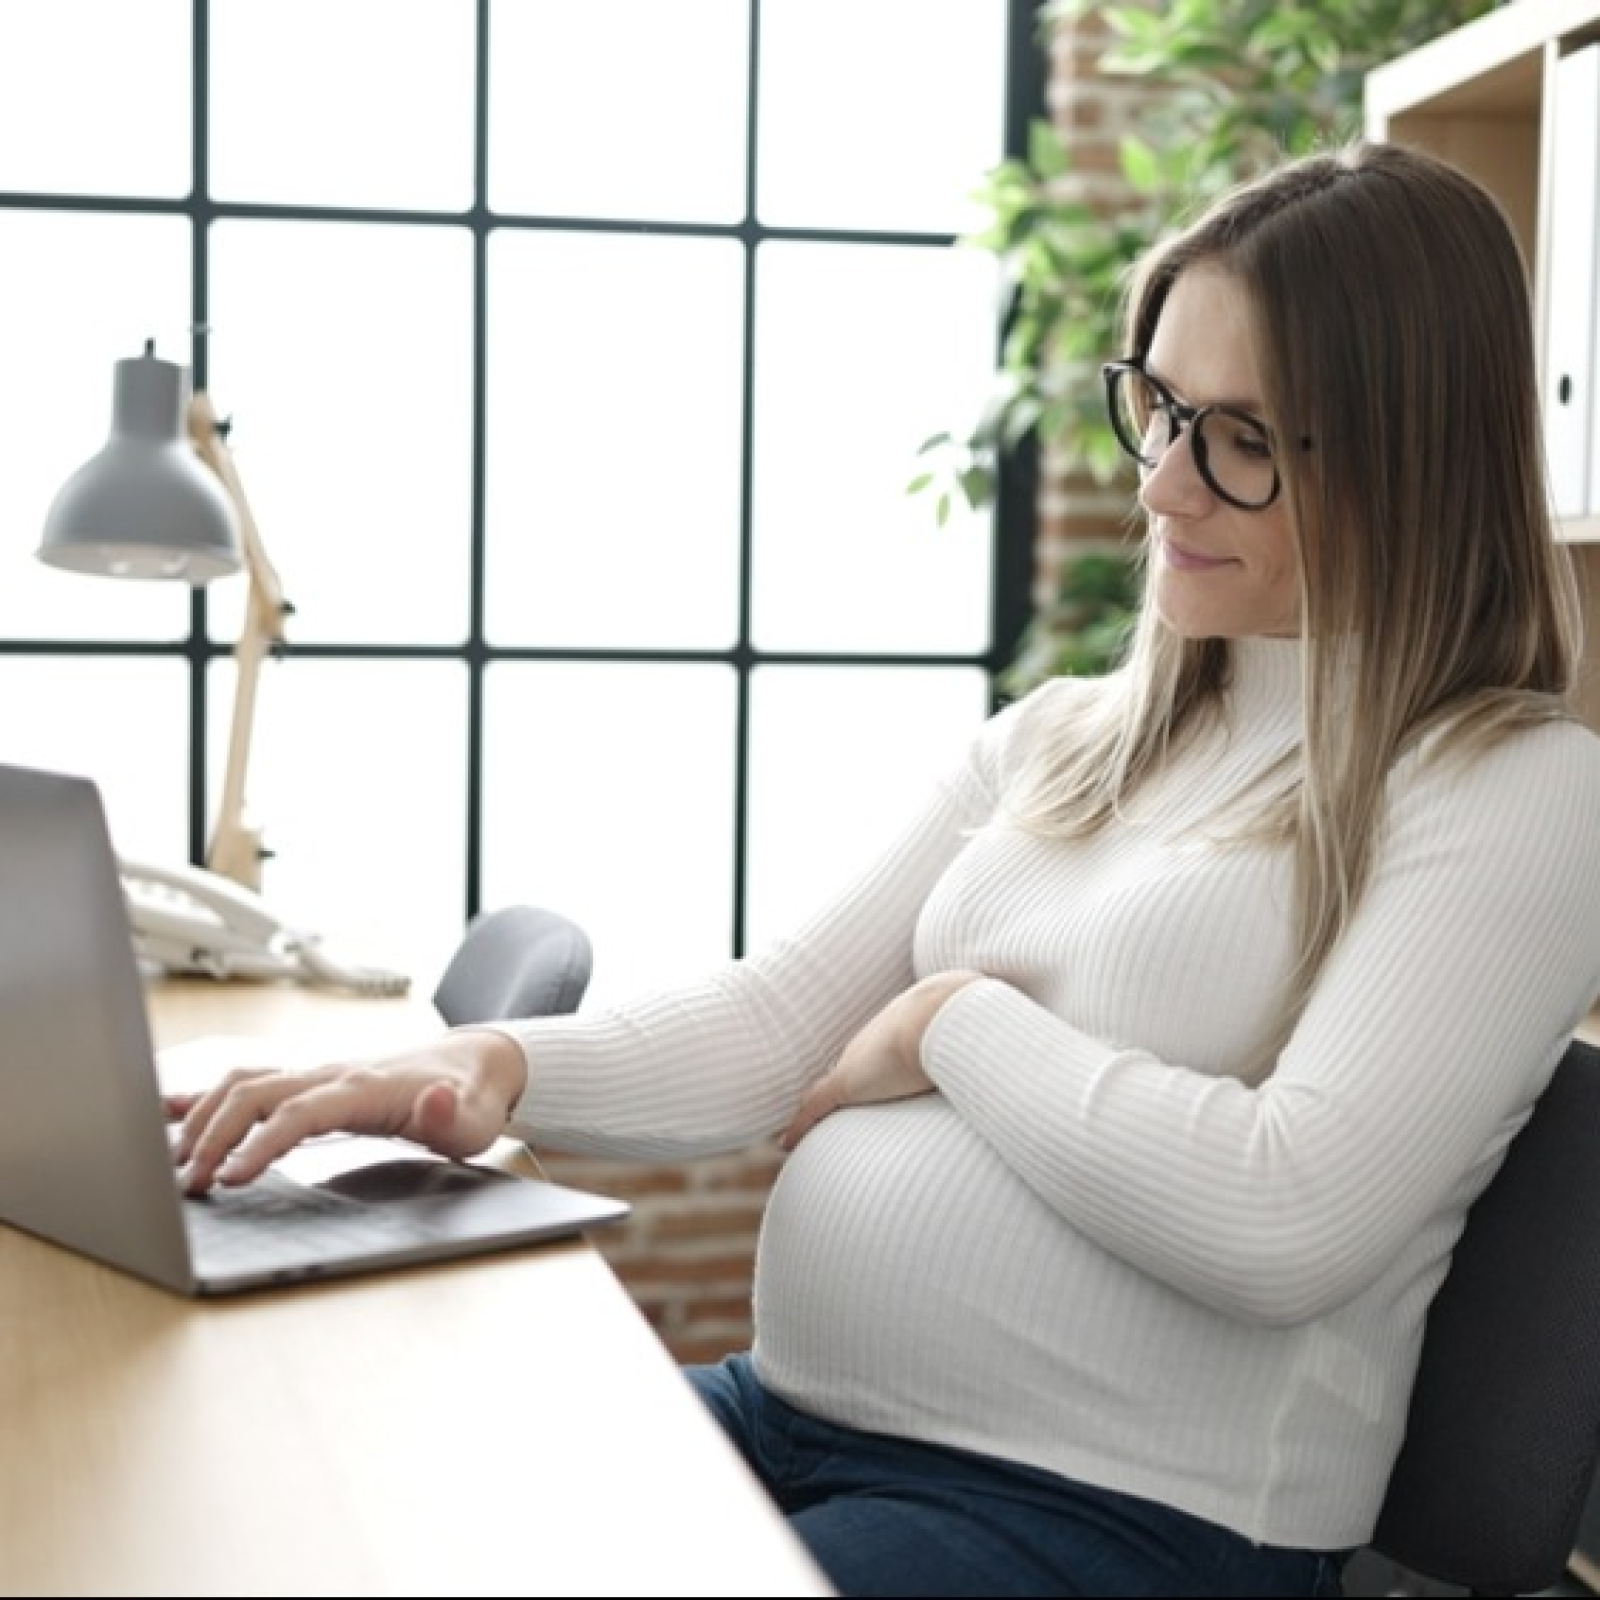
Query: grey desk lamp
[148,507]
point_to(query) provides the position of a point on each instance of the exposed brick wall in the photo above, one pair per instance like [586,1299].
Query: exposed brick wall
[685,1252]
[1093,112]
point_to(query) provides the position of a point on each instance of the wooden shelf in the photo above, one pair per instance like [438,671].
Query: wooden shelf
[1490,68]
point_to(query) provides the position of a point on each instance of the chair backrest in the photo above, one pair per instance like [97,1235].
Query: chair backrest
[1503,1436]
[518,961]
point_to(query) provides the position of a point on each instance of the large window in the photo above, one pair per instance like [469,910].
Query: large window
[575,357]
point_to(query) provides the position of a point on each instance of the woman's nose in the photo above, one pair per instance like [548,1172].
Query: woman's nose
[1173,487]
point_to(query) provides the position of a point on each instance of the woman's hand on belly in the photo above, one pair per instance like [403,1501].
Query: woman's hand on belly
[884,1060]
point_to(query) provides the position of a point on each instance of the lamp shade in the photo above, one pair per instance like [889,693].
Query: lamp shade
[146,506]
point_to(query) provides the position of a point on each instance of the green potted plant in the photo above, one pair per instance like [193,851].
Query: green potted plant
[1083,631]
[1241,82]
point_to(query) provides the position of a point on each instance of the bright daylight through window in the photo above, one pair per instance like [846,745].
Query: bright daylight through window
[576,384]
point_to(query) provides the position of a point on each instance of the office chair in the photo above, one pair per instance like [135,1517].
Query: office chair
[518,961]
[1503,1436]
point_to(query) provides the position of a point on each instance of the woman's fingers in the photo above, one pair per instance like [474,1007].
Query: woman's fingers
[236,1132]
[453,1097]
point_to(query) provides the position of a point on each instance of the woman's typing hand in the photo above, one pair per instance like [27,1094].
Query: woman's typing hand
[453,1096]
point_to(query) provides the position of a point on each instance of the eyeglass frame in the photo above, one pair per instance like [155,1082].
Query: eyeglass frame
[1187,418]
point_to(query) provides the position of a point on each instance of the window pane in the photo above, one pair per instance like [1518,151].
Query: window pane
[357,781]
[343,102]
[343,352]
[629,109]
[614,438]
[613,430]
[862,352]
[842,758]
[608,795]
[65,321]
[123,722]
[879,114]
[95,97]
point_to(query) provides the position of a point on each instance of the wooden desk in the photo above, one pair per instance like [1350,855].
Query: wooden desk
[505,1426]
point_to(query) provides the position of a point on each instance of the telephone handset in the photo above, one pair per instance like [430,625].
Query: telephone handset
[188,921]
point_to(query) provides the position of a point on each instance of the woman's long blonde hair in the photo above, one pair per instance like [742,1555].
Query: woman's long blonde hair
[1393,330]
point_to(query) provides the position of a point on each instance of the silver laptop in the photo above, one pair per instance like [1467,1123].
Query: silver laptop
[85,1148]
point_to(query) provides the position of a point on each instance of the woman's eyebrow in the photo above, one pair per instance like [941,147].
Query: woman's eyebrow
[1250,403]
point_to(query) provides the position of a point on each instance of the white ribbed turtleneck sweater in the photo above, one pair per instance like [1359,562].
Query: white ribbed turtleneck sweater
[1096,1249]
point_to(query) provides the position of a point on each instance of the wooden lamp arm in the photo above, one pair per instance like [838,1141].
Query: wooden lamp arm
[235,848]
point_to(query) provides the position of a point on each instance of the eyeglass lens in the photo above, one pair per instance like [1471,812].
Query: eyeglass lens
[1231,448]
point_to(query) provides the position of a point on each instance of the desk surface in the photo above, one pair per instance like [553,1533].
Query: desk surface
[509,1425]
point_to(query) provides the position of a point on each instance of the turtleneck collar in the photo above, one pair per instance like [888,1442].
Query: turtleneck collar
[1265,683]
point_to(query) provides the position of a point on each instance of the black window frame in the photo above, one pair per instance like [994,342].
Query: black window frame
[1015,520]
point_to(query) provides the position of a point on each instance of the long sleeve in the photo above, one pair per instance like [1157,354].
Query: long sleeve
[1437,1020]
[716,1065]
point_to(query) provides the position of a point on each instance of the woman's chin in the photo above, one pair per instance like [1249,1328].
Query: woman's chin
[1186,618]
[1193,614]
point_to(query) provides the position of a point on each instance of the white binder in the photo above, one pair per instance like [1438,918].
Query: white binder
[1571,418]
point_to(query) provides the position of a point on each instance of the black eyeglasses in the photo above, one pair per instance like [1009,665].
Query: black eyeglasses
[1232,449]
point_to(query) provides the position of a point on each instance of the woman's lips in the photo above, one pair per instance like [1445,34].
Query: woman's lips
[1182,560]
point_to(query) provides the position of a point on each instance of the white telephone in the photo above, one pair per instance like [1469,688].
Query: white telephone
[188,921]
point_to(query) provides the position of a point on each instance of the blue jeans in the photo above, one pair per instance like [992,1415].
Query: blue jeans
[886,1516]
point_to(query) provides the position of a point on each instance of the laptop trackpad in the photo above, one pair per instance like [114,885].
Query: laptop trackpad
[410,1178]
